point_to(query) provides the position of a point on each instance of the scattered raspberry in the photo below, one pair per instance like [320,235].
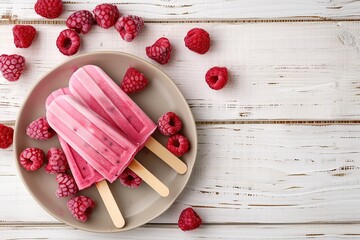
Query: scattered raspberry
[130,179]
[68,42]
[169,124]
[129,27]
[80,207]
[6,136]
[189,220]
[57,162]
[80,21]
[32,158]
[133,81]
[197,40]
[216,77]
[160,51]
[67,186]
[12,66]
[40,129]
[49,8]
[23,35]
[106,15]
[178,144]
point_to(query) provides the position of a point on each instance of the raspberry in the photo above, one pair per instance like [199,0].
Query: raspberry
[23,35]
[80,21]
[160,51]
[169,124]
[32,158]
[6,136]
[68,42]
[133,81]
[12,66]
[197,40]
[39,129]
[48,8]
[67,186]
[216,77]
[57,162]
[178,145]
[130,179]
[106,15]
[129,27]
[189,220]
[80,207]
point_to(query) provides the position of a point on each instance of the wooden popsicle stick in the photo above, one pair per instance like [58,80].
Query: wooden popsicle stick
[110,204]
[164,154]
[149,178]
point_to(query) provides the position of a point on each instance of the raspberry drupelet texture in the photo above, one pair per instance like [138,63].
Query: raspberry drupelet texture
[160,51]
[178,145]
[57,162]
[81,207]
[6,136]
[169,124]
[68,42]
[49,8]
[189,220]
[129,27]
[40,129]
[197,40]
[23,35]
[106,15]
[216,77]
[133,81]
[12,66]
[32,158]
[80,21]
[130,179]
[67,185]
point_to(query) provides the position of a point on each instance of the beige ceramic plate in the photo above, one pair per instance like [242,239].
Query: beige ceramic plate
[140,205]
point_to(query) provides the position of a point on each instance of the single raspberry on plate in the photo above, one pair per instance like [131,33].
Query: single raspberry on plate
[169,124]
[178,144]
[68,42]
[49,8]
[40,129]
[67,185]
[32,158]
[197,40]
[189,220]
[12,66]
[57,162]
[106,15]
[6,136]
[160,51]
[130,179]
[129,27]
[80,21]
[216,77]
[81,207]
[23,35]
[133,81]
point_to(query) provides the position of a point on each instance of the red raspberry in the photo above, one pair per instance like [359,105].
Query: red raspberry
[32,158]
[68,42]
[106,15]
[216,77]
[12,66]
[197,40]
[57,162]
[160,51]
[169,124]
[23,35]
[189,220]
[133,81]
[67,185]
[49,8]
[80,21]
[129,27]
[6,136]
[40,129]
[130,179]
[178,144]
[80,207]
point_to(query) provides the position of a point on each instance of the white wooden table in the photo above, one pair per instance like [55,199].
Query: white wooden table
[279,147]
